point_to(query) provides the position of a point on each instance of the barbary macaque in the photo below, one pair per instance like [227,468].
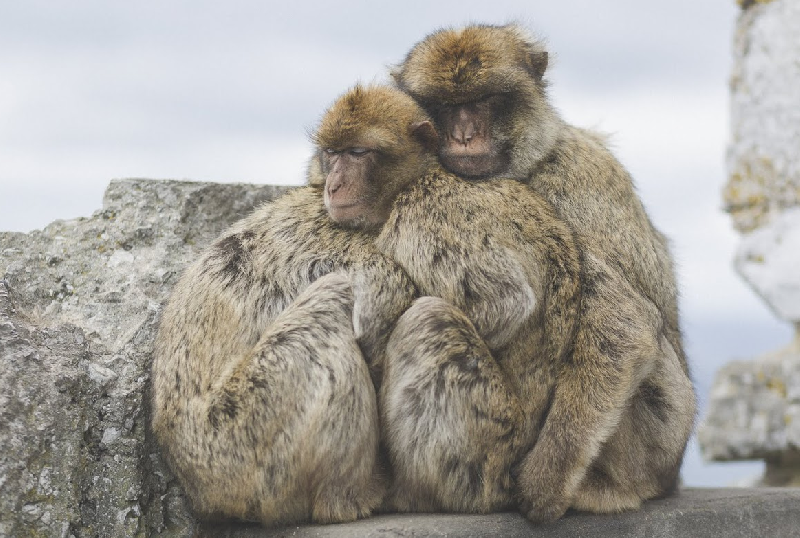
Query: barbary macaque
[262,397]
[485,89]
[547,352]
[471,366]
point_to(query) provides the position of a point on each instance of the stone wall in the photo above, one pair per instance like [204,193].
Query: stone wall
[754,407]
[79,303]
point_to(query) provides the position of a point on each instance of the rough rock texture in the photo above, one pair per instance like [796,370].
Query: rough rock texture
[754,413]
[763,190]
[79,303]
[754,407]
[694,513]
[763,162]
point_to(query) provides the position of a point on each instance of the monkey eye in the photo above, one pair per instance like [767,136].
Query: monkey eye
[330,151]
[358,152]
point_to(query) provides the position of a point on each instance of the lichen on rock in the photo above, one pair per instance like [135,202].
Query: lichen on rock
[79,305]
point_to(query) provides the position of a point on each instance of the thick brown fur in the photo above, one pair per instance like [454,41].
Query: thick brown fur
[262,399]
[621,415]
[472,364]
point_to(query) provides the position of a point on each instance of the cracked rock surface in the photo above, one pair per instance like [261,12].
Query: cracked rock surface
[79,305]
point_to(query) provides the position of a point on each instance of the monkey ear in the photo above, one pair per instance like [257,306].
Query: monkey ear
[315,176]
[537,64]
[425,132]
[396,73]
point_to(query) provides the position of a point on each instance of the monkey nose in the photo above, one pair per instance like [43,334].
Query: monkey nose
[335,186]
[469,131]
[463,135]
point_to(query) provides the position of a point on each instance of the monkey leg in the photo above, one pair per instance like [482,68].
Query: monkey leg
[293,428]
[452,425]
[642,458]
[617,347]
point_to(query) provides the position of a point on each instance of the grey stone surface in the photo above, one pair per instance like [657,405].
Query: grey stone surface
[693,513]
[754,409]
[763,162]
[79,303]
[754,406]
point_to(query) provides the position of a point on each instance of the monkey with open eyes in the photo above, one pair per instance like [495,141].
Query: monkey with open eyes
[484,87]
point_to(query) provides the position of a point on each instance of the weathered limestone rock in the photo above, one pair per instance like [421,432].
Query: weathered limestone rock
[754,407]
[754,413]
[763,162]
[79,303]
[693,513]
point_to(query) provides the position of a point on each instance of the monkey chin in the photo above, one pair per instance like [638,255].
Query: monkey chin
[352,215]
[473,166]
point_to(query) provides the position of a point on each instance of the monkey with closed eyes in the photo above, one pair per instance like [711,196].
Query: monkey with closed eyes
[484,87]
[262,398]
[521,339]
[260,360]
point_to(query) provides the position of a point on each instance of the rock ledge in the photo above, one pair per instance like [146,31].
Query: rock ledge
[693,513]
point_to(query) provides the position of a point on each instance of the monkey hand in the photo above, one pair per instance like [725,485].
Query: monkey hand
[541,489]
[382,292]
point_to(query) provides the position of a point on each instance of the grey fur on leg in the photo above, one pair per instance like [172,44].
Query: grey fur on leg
[451,423]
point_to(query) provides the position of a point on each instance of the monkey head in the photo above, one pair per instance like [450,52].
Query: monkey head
[482,85]
[372,143]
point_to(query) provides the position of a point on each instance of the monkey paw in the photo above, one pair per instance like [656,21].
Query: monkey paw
[344,506]
[543,507]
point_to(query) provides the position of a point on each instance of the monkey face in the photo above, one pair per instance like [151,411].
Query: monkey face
[372,143]
[472,144]
[349,194]
[482,86]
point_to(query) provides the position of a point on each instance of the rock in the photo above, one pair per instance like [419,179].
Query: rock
[79,303]
[769,260]
[754,407]
[754,413]
[694,513]
[763,161]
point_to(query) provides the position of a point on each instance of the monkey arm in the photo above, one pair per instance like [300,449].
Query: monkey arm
[382,291]
[491,285]
[615,347]
[496,295]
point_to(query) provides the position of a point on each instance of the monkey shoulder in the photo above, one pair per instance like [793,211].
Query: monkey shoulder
[443,216]
[276,251]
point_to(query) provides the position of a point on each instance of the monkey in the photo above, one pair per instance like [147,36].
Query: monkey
[262,397]
[520,340]
[265,348]
[485,88]
[470,365]
[253,374]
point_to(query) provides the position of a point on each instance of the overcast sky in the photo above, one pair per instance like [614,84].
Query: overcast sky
[227,91]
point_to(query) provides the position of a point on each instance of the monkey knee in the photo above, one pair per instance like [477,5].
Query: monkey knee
[330,296]
[428,320]
[333,286]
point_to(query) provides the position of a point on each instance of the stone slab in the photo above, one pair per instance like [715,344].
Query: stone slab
[692,513]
